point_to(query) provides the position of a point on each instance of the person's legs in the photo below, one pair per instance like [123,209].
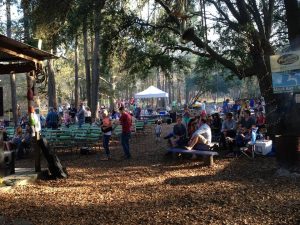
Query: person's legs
[125,143]
[223,140]
[195,140]
[106,144]
[20,151]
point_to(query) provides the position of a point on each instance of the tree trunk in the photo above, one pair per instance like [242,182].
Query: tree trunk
[26,13]
[12,76]
[178,91]
[52,102]
[8,18]
[187,92]
[293,20]
[14,98]
[112,93]
[96,61]
[87,63]
[76,72]
[171,93]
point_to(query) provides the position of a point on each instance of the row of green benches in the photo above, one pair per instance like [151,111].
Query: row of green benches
[87,135]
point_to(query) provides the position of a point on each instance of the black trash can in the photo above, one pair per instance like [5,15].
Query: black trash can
[7,164]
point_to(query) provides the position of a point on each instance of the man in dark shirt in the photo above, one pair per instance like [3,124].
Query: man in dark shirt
[179,133]
[126,123]
[72,113]
[247,121]
[52,119]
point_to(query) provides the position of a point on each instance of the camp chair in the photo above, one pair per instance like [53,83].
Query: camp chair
[249,150]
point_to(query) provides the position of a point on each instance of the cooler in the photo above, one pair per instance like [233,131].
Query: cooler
[263,147]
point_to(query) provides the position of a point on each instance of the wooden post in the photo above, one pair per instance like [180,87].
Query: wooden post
[35,135]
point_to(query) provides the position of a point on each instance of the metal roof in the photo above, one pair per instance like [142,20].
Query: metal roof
[15,51]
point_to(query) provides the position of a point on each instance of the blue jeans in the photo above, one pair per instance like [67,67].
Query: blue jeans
[106,144]
[80,123]
[125,143]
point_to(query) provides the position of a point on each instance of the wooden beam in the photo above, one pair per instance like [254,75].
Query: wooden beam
[18,55]
[17,68]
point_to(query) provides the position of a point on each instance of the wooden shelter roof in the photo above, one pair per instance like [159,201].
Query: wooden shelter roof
[18,57]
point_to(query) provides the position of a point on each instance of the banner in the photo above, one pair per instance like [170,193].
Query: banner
[286,72]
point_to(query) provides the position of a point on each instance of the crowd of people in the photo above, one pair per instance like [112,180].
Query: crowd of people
[241,121]
[192,130]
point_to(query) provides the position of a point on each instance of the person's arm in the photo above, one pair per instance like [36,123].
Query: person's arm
[234,125]
[223,126]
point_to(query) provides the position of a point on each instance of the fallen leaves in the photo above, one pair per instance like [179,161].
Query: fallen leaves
[152,190]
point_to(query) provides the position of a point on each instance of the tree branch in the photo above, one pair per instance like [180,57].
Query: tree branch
[186,49]
[233,10]
[169,12]
[268,15]
[257,18]
[158,27]
[233,25]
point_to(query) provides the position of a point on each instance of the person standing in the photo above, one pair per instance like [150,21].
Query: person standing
[80,115]
[158,130]
[52,119]
[88,115]
[126,123]
[106,128]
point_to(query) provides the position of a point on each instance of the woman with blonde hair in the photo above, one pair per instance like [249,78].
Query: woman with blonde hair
[106,128]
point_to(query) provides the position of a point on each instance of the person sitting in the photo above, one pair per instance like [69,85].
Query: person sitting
[26,141]
[216,125]
[16,142]
[200,136]
[178,136]
[242,137]
[260,120]
[228,130]
[246,120]
[192,126]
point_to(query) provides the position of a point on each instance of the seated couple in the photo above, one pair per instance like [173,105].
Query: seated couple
[201,138]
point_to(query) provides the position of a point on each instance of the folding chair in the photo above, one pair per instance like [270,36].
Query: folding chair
[249,150]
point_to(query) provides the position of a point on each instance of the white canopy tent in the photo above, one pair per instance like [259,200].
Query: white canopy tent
[152,92]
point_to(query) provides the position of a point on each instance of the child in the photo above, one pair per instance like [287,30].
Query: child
[158,129]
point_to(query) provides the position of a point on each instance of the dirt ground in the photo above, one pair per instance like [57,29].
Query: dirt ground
[152,189]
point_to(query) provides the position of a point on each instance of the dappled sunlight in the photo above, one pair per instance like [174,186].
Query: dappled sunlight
[149,189]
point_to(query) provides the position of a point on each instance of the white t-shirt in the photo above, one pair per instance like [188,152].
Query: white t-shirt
[87,113]
[205,131]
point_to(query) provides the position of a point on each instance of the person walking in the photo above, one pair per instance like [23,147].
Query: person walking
[126,122]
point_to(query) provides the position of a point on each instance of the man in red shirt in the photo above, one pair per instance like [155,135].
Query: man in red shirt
[126,123]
